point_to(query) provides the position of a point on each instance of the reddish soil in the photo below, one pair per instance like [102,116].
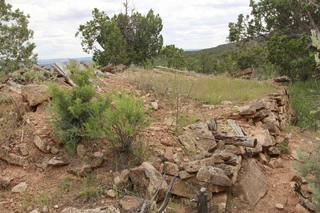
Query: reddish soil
[45,186]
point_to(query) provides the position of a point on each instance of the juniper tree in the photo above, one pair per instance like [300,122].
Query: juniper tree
[16,50]
[124,38]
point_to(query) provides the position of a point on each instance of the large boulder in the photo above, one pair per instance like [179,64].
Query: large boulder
[187,187]
[35,94]
[213,175]
[147,181]
[204,138]
[253,184]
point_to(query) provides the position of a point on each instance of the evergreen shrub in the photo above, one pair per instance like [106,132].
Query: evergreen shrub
[77,110]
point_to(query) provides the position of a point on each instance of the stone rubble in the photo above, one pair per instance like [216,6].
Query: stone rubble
[213,164]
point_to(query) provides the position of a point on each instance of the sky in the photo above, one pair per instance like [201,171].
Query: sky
[188,24]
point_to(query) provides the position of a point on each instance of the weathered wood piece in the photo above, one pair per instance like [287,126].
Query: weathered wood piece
[62,70]
[282,79]
[236,127]
[202,205]
[237,140]
[213,125]
[166,200]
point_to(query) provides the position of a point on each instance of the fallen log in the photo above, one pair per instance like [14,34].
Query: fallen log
[237,140]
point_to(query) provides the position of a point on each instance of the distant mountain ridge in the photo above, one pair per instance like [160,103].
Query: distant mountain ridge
[187,52]
[63,60]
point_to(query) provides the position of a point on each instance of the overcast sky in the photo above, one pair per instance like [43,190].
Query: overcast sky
[188,24]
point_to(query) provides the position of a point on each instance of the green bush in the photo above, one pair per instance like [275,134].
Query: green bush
[303,99]
[310,170]
[124,120]
[5,98]
[90,189]
[77,110]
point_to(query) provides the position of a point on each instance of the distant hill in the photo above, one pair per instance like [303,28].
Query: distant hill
[188,50]
[211,51]
[51,61]
[188,53]
[48,62]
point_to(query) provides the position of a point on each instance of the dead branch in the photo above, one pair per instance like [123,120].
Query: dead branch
[166,200]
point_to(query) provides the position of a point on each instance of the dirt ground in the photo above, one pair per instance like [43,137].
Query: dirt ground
[46,185]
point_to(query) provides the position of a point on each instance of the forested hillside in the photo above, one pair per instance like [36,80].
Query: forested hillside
[274,40]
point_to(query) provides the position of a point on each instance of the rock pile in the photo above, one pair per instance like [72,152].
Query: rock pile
[205,157]
[271,115]
[215,162]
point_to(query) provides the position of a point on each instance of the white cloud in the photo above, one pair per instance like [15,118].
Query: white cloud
[188,24]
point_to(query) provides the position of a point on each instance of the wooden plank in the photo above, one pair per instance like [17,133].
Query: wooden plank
[236,127]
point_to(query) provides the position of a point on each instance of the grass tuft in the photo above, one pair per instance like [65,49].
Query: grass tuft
[207,89]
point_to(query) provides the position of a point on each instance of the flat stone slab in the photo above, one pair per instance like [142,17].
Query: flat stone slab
[253,184]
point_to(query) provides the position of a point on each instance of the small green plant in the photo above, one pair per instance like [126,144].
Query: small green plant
[186,119]
[140,152]
[310,170]
[9,121]
[124,120]
[5,98]
[65,183]
[45,199]
[283,146]
[90,189]
[78,112]
[26,201]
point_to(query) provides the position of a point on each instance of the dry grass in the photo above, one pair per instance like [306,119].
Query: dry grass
[206,89]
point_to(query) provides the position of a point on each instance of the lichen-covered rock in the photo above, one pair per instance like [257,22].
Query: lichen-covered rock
[35,94]
[213,175]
